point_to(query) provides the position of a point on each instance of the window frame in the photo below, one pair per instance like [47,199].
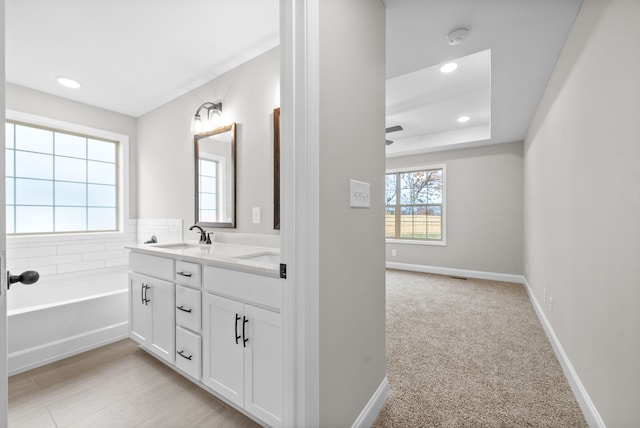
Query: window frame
[442,242]
[122,177]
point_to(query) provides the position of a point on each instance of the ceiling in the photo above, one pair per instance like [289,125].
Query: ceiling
[133,56]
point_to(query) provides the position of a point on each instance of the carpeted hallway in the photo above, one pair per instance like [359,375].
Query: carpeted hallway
[470,353]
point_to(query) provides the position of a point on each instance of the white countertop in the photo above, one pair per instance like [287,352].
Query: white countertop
[218,254]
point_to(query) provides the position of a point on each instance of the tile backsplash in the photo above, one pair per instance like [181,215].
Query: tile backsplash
[51,256]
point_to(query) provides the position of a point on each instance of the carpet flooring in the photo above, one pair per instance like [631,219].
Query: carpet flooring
[469,353]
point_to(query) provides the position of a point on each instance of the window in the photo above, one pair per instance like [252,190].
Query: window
[415,205]
[59,181]
[208,190]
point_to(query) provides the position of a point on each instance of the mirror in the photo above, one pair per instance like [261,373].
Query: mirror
[215,174]
[276,168]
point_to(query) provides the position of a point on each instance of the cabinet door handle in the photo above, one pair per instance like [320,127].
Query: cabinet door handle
[237,336]
[146,299]
[183,309]
[245,320]
[142,294]
[186,357]
[187,274]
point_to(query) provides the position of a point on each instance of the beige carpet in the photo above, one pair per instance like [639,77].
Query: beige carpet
[470,353]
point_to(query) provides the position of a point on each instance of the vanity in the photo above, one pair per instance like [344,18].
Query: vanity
[212,313]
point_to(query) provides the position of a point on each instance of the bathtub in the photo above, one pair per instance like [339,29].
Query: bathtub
[63,315]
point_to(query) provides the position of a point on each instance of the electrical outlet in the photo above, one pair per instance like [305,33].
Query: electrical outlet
[393,253]
[256,214]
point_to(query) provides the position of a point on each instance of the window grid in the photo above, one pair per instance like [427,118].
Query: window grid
[108,224]
[414,205]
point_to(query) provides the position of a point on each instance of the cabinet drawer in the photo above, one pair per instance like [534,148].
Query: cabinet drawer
[263,290]
[188,352]
[157,267]
[188,274]
[188,310]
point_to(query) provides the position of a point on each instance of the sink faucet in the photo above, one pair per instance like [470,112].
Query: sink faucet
[205,238]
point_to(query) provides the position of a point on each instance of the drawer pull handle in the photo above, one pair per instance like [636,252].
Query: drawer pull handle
[187,274]
[183,309]
[186,357]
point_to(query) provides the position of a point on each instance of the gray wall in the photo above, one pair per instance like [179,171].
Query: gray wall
[166,148]
[582,205]
[484,210]
[351,248]
[25,100]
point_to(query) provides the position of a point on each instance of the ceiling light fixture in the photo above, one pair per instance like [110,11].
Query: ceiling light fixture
[210,122]
[463,119]
[456,36]
[67,82]
[448,67]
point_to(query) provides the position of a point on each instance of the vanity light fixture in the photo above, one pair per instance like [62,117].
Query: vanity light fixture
[67,82]
[210,121]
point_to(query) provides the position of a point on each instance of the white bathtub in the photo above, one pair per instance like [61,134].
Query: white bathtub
[64,315]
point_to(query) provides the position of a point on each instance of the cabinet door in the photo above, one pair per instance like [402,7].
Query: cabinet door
[161,339]
[223,353]
[138,311]
[263,365]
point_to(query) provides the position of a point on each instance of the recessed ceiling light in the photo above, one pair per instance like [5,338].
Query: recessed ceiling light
[457,36]
[449,67]
[67,82]
[463,119]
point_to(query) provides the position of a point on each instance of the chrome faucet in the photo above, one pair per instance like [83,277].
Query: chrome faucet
[205,237]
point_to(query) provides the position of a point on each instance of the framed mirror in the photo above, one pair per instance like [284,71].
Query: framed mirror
[215,176]
[276,168]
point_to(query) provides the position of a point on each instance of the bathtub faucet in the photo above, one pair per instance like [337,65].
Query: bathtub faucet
[204,236]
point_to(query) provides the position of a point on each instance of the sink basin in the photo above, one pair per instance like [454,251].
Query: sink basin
[177,246]
[263,257]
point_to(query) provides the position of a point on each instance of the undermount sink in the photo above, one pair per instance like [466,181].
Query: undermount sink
[177,246]
[262,257]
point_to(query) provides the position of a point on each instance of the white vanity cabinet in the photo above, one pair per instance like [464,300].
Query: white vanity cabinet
[242,342]
[151,314]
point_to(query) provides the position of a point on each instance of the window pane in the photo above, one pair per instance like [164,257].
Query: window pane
[208,215]
[208,168]
[101,173]
[102,196]
[9,132]
[34,219]
[10,219]
[9,191]
[434,223]
[435,187]
[414,223]
[34,139]
[73,194]
[102,151]
[391,181]
[208,201]
[34,165]
[207,184]
[71,219]
[102,219]
[9,163]
[70,145]
[34,192]
[390,222]
[69,169]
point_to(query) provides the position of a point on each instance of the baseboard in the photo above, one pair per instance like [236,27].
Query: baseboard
[370,412]
[579,391]
[493,276]
[31,358]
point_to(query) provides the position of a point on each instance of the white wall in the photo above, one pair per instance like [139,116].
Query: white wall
[166,148]
[483,210]
[582,205]
[351,248]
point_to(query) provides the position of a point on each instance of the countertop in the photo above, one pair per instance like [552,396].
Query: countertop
[218,254]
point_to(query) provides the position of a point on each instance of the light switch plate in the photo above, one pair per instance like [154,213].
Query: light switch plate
[360,194]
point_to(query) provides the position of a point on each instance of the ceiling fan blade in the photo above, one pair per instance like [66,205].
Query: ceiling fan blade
[393,129]
[388,142]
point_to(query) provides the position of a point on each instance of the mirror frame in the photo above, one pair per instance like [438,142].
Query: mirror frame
[276,168]
[196,140]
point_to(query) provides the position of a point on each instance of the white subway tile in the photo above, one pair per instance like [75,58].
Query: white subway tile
[75,267]
[44,269]
[15,253]
[102,255]
[55,260]
[16,264]
[108,246]
[116,262]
